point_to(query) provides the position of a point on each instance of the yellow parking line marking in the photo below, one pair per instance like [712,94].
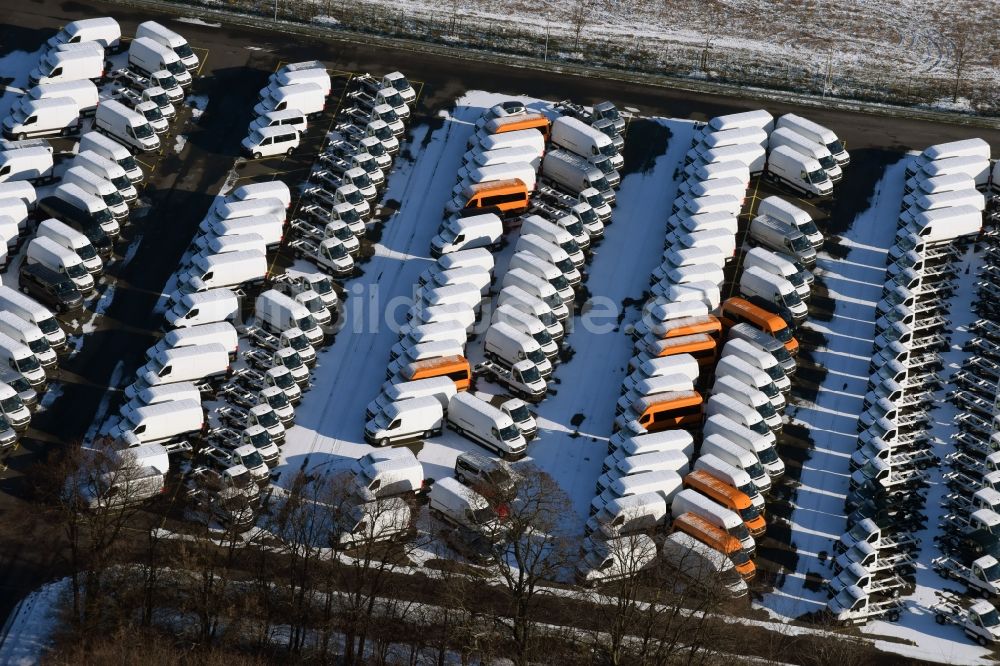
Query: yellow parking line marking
[420,91]
[340,72]
[201,60]
[148,166]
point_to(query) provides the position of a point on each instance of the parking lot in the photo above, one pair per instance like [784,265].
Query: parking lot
[199,159]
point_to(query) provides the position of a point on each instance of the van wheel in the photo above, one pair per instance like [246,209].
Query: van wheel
[257,156]
[461,478]
[383,442]
[289,151]
[66,131]
[22,136]
[428,434]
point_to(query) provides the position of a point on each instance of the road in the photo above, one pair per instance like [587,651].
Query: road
[237,61]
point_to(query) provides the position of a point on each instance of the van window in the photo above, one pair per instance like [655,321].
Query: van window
[461,375]
[5,170]
[395,424]
[56,72]
[30,120]
[266,142]
[284,138]
[495,433]
[164,371]
[677,413]
[207,276]
[497,199]
[281,106]
[192,313]
[139,429]
[376,484]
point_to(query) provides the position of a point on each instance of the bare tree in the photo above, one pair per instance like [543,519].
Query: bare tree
[98,491]
[961,38]
[579,14]
[530,545]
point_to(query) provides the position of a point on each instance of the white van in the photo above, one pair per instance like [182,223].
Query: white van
[82,91]
[737,456]
[441,389]
[477,157]
[485,424]
[232,243]
[287,118]
[171,40]
[787,137]
[543,269]
[473,175]
[462,293]
[921,184]
[229,269]
[61,65]
[758,285]
[28,335]
[159,423]
[664,483]
[103,30]
[751,155]
[473,257]
[575,174]
[580,138]
[471,275]
[708,172]
[309,98]
[741,413]
[772,262]
[935,227]
[914,203]
[605,560]
[317,75]
[88,206]
[508,346]
[682,364]
[461,233]
[269,227]
[537,287]
[197,363]
[33,165]
[732,475]
[167,393]
[963,148]
[556,234]
[146,55]
[389,473]
[269,189]
[759,119]
[30,310]
[622,445]
[451,331]
[719,424]
[799,172]
[43,117]
[460,505]
[91,183]
[108,170]
[679,257]
[110,149]
[269,141]
[739,369]
[722,240]
[629,515]
[521,300]
[973,166]
[19,358]
[731,186]
[818,133]
[229,210]
[410,420]
[204,307]
[643,463]
[759,358]
[528,324]
[45,251]
[14,408]
[781,237]
[422,352]
[72,240]
[279,312]
[126,125]
[527,137]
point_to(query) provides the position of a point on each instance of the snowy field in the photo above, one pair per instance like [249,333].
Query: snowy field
[853,40]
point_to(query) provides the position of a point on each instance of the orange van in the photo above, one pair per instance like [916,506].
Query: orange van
[729,497]
[716,537]
[456,368]
[736,310]
[700,345]
[708,324]
[667,411]
[506,197]
[522,121]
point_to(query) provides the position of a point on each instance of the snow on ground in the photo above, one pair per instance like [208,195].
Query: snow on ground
[29,629]
[16,66]
[329,423]
[827,40]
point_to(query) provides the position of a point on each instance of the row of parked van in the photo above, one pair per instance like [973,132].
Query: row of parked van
[940,215]
[679,381]
[350,173]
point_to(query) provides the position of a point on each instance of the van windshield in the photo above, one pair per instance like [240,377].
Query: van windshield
[394,101]
[252,460]
[596,200]
[143,131]
[153,114]
[76,271]
[760,428]
[323,285]
[353,196]
[766,410]
[548,319]
[783,334]
[604,166]
[27,364]
[342,233]
[298,343]
[740,532]
[739,557]
[827,162]
[336,250]
[530,375]
[375,149]
[176,67]
[362,181]
[159,98]
[86,251]
[259,439]
[756,471]
[39,346]
[102,216]
[602,183]
[382,133]
[267,419]
[799,243]
[575,228]
[542,337]
[608,151]
[128,163]
[48,325]
[122,182]
[809,228]
[791,299]
[168,82]
[570,247]
[566,266]
[768,456]
[305,324]
[560,283]
[183,51]
[277,400]
[292,360]
[113,199]
[818,177]
[520,414]
[835,147]
[283,380]
[552,300]
[482,516]
[11,404]
[510,433]
[536,356]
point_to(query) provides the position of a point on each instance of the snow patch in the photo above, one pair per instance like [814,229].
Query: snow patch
[198,21]
[180,142]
